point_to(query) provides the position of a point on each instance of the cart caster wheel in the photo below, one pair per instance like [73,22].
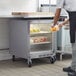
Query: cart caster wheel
[30,64]
[71,74]
[52,60]
[13,58]
[55,58]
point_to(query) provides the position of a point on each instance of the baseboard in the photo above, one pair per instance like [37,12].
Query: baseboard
[4,55]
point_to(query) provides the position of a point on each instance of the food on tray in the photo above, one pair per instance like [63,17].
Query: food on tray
[43,39]
[38,39]
[55,28]
[32,30]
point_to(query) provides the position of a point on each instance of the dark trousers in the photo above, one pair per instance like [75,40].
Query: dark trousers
[72,19]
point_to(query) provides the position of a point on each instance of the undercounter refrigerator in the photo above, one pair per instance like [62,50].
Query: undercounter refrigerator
[31,38]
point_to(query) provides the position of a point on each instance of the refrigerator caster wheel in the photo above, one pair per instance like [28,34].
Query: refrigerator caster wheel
[52,60]
[13,58]
[30,64]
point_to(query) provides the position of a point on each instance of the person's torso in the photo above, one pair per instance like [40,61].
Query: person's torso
[70,5]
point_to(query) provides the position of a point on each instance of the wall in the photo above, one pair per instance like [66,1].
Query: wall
[50,6]
[6,7]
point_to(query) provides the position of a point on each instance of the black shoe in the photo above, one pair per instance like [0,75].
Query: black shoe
[68,69]
[71,73]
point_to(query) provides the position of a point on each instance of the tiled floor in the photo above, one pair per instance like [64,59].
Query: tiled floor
[39,68]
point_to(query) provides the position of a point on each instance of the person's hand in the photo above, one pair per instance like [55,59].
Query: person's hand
[52,25]
[60,25]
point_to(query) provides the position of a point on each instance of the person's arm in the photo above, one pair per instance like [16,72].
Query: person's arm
[63,23]
[57,15]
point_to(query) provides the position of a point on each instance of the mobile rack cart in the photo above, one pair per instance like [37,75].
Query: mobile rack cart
[23,43]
